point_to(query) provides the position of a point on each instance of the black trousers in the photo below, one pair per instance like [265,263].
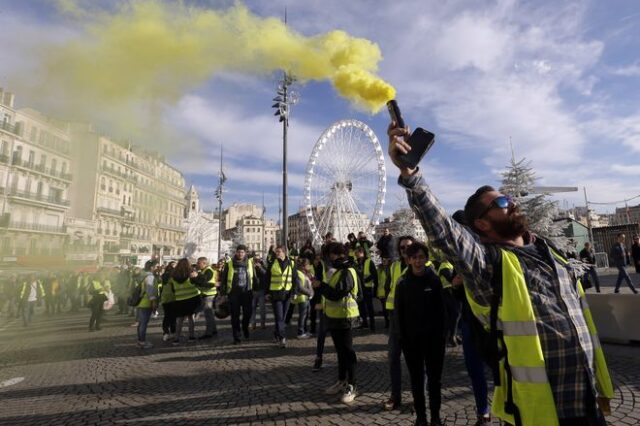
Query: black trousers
[343,342]
[169,319]
[240,300]
[366,309]
[428,357]
[97,310]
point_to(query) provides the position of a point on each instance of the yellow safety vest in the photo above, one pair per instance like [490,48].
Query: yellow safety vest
[531,390]
[185,290]
[347,307]
[98,287]
[383,271]
[445,265]
[396,273]
[145,302]
[367,273]
[281,280]
[231,272]
[27,285]
[214,277]
[300,298]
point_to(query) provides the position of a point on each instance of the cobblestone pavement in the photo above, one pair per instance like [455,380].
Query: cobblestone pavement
[73,377]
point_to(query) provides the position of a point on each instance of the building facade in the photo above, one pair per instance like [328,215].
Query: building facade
[35,159]
[134,198]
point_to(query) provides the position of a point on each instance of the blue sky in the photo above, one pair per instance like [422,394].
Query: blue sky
[560,79]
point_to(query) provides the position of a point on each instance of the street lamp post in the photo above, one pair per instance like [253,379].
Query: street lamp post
[221,180]
[283,101]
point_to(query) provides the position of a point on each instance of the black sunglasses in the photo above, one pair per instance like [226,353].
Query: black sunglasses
[501,202]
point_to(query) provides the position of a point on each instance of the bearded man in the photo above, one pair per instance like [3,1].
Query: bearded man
[552,371]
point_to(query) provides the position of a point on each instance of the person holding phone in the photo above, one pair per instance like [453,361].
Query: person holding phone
[553,371]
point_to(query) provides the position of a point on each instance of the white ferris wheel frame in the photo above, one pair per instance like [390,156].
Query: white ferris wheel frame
[378,156]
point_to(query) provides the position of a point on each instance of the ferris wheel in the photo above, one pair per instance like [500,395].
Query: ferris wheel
[345,181]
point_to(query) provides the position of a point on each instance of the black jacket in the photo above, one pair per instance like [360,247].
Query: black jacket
[385,246]
[419,309]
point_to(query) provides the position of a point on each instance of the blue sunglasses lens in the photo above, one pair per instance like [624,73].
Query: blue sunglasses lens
[502,202]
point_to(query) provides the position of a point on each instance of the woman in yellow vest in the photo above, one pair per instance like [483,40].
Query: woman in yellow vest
[187,298]
[167,298]
[302,295]
[341,310]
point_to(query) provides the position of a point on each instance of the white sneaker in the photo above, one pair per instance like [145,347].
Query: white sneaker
[303,336]
[349,394]
[145,345]
[166,337]
[336,388]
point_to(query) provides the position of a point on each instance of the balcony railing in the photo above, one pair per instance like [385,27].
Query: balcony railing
[37,227]
[17,161]
[170,226]
[107,210]
[11,128]
[51,199]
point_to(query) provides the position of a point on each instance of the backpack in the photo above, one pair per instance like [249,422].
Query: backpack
[135,297]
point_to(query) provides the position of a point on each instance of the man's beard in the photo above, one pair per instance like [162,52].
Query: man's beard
[515,225]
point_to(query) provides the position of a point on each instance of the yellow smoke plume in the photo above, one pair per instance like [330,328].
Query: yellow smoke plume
[155,52]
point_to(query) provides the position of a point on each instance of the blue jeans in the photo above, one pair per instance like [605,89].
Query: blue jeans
[280,308]
[624,275]
[209,318]
[144,314]
[592,275]
[27,312]
[303,313]
[258,299]
[475,369]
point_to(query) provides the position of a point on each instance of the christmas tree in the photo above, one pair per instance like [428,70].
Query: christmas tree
[518,181]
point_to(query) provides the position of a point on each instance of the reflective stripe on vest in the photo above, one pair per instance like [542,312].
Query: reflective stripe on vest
[214,277]
[185,290]
[281,280]
[347,307]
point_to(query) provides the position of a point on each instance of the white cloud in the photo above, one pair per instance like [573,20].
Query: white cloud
[626,170]
[632,70]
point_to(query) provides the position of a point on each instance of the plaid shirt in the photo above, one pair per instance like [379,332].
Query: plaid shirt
[564,336]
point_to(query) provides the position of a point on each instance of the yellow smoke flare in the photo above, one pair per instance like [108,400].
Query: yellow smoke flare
[153,51]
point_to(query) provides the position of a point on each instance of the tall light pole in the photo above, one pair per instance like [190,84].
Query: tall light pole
[283,101]
[219,190]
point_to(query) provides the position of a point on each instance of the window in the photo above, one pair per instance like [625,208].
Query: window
[34,134]
[63,169]
[54,165]
[39,190]
[43,160]
[4,150]
[103,187]
[32,158]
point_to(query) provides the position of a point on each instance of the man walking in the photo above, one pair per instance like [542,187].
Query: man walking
[282,277]
[588,256]
[237,280]
[619,255]
[31,293]
[206,281]
[552,370]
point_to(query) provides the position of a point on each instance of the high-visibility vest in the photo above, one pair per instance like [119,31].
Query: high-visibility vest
[366,273]
[145,302]
[231,272]
[443,266]
[347,307]
[532,394]
[167,296]
[383,273]
[214,277]
[300,298]
[27,285]
[396,273]
[98,288]
[185,290]
[281,280]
